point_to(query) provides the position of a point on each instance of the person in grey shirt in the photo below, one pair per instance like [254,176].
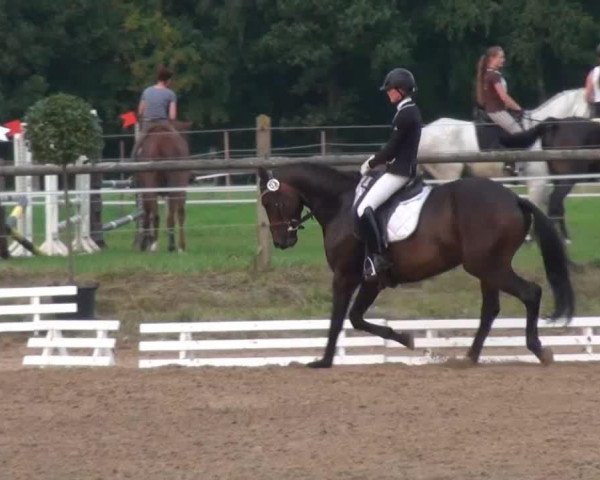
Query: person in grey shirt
[158,101]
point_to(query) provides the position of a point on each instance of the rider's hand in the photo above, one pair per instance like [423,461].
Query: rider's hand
[518,114]
[366,166]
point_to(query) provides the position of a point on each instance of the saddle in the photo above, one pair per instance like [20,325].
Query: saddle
[398,216]
[489,135]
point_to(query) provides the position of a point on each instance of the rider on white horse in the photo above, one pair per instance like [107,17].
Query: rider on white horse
[492,94]
[400,156]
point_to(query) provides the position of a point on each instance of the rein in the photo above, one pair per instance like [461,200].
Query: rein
[298,224]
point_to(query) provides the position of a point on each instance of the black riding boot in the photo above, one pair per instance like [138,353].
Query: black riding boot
[376,261]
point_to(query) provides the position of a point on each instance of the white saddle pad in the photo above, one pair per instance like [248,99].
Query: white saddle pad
[405,218]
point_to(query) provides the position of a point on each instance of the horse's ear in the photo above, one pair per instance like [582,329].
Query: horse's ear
[263,175]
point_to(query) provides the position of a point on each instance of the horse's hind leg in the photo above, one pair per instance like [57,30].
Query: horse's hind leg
[181,223]
[155,225]
[490,307]
[149,206]
[530,294]
[171,223]
[556,208]
[367,293]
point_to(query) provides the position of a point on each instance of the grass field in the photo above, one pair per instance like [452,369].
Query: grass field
[215,277]
[224,237]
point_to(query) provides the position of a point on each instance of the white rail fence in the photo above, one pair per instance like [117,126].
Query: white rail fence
[283,342]
[26,306]
[57,349]
[30,310]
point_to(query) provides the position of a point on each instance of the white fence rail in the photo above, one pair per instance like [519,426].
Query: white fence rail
[26,304]
[251,343]
[60,350]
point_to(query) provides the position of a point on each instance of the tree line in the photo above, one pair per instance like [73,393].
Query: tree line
[316,62]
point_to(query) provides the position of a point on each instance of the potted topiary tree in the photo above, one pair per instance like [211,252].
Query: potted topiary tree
[60,129]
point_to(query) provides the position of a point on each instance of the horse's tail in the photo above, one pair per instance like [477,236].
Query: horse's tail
[556,261]
[527,138]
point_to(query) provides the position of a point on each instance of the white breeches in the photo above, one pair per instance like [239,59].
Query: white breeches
[506,121]
[384,188]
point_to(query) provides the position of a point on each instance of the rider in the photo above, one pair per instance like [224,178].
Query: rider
[400,156]
[592,87]
[492,94]
[158,103]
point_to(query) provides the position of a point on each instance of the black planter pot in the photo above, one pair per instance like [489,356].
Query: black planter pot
[85,300]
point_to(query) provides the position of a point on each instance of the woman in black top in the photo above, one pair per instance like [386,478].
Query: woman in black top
[400,156]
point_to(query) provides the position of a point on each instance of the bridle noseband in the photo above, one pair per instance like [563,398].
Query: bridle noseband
[293,225]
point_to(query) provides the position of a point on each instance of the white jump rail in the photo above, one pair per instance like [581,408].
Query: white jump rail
[55,346]
[432,337]
[27,303]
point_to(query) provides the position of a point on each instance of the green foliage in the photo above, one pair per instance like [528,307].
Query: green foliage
[61,128]
[300,61]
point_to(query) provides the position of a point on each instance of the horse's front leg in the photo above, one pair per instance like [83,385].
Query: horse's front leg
[343,287]
[367,293]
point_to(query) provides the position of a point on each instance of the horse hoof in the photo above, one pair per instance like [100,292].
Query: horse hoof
[407,339]
[154,247]
[568,241]
[180,250]
[546,356]
[319,364]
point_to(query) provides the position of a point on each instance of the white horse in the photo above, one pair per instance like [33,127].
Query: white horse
[448,135]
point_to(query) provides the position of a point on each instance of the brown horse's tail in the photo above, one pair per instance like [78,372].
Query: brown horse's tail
[556,261]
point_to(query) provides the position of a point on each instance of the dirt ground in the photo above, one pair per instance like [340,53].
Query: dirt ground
[367,422]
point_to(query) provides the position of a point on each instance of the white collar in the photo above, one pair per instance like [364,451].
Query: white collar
[403,102]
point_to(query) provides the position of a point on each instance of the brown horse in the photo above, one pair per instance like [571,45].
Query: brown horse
[162,141]
[472,222]
[565,133]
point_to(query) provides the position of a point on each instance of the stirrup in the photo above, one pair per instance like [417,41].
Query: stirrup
[369,272]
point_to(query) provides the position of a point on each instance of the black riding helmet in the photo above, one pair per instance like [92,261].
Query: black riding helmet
[399,78]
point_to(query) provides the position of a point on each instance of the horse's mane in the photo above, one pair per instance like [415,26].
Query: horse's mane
[319,176]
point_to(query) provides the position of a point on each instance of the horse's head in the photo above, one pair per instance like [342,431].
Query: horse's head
[569,103]
[284,208]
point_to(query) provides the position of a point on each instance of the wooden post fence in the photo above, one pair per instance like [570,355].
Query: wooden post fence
[263,236]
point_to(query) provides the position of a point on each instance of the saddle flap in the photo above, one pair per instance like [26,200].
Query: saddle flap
[398,212]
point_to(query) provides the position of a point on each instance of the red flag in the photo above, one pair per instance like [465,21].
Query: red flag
[14,126]
[128,118]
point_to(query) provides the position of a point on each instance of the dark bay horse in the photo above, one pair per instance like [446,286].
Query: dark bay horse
[163,141]
[473,222]
[565,133]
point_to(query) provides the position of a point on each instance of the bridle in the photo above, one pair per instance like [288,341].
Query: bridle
[294,224]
